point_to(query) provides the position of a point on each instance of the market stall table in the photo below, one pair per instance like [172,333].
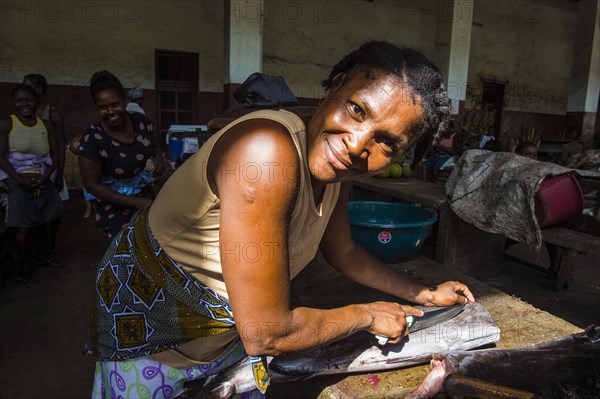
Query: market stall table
[320,285]
[459,245]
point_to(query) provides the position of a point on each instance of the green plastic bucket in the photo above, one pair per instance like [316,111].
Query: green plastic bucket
[391,231]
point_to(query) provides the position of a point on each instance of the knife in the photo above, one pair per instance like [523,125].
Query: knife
[429,319]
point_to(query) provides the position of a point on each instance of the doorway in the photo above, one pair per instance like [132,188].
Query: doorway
[492,100]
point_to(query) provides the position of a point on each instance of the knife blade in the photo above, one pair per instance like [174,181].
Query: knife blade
[429,319]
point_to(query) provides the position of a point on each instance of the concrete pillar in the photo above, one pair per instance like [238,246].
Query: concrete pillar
[243,44]
[453,46]
[584,87]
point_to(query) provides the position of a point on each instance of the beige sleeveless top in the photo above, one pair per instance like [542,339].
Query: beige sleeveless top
[185,216]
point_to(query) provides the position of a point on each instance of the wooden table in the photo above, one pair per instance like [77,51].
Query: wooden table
[470,250]
[413,190]
[589,185]
[459,245]
[319,285]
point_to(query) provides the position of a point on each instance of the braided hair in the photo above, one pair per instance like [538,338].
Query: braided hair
[104,80]
[23,87]
[39,81]
[412,69]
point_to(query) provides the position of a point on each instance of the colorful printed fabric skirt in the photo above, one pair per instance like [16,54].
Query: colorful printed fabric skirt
[146,303]
[145,378]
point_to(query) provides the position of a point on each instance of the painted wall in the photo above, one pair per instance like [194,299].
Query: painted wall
[68,41]
[525,42]
[585,87]
[528,44]
[243,30]
[304,39]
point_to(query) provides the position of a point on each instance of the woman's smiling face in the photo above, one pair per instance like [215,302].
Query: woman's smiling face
[364,121]
[111,107]
[25,103]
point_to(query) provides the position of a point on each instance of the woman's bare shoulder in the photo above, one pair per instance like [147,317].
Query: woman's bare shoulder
[259,152]
[256,141]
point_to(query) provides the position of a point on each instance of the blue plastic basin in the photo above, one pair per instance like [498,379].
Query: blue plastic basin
[391,231]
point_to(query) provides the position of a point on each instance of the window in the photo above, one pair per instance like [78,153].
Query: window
[177,88]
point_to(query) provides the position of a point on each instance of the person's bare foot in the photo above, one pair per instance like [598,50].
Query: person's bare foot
[88,213]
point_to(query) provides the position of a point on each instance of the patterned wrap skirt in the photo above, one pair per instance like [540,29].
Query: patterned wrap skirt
[145,378]
[146,303]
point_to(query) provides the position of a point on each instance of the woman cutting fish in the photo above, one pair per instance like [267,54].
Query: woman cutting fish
[202,277]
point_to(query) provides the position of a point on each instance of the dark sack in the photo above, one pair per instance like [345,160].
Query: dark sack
[265,91]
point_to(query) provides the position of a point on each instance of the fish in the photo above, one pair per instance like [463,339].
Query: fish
[359,353]
[549,369]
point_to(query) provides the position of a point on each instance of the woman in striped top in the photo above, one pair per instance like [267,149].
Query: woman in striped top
[28,153]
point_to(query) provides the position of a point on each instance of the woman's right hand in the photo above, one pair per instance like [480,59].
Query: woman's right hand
[26,182]
[389,319]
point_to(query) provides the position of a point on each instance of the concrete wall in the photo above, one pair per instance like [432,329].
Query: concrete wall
[525,42]
[304,39]
[528,44]
[68,41]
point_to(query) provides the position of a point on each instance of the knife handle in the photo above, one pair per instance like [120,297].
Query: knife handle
[382,339]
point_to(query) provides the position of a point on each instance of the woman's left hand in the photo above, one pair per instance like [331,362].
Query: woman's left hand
[450,293]
[159,166]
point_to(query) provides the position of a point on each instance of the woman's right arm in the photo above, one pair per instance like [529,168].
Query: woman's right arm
[254,169]
[91,176]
